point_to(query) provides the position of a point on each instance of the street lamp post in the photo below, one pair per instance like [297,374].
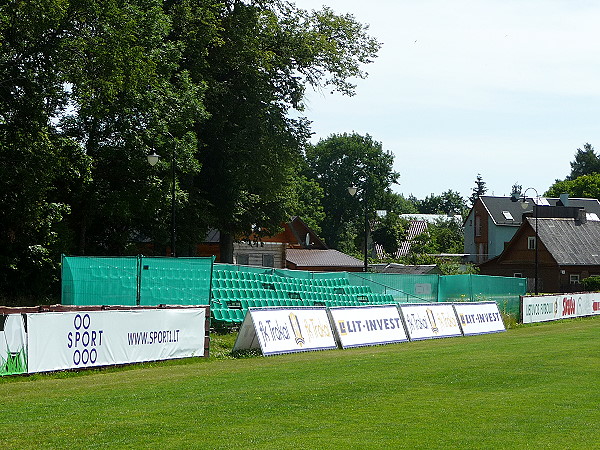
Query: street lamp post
[515,198]
[152,160]
[352,190]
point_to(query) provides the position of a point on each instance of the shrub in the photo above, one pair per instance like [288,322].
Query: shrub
[591,283]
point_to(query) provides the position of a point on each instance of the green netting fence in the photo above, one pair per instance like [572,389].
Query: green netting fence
[505,291]
[187,281]
[137,280]
[404,288]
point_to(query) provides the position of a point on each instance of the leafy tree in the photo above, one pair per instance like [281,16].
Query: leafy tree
[88,89]
[305,199]
[447,236]
[346,160]
[448,202]
[255,76]
[130,99]
[389,232]
[478,190]
[586,186]
[586,162]
[423,244]
[38,167]
[398,204]
[516,190]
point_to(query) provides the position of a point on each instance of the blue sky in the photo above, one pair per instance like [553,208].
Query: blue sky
[508,89]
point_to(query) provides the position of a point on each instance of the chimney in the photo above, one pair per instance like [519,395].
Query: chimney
[581,217]
[564,199]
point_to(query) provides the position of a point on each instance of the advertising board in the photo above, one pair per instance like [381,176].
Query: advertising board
[286,330]
[479,318]
[13,345]
[73,340]
[430,320]
[543,308]
[587,304]
[367,325]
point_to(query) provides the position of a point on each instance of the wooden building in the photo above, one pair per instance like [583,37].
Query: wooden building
[568,251]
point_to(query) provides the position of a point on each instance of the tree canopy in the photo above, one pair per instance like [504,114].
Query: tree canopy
[586,162]
[88,89]
[342,161]
[585,186]
[449,202]
[584,179]
[479,189]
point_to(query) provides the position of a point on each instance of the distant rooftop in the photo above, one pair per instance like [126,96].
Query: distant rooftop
[504,211]
[432,218]
[320,258]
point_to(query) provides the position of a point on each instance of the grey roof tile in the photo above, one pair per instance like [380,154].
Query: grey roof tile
[570,242]
[496,206]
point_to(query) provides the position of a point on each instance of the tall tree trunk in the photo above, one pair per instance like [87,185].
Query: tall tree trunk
[226,248]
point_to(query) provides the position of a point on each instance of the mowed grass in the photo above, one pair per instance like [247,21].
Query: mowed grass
[531,387]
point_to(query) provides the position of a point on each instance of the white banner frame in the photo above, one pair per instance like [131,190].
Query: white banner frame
[545,308]
[360,326]
[479,318]
[286,329]
[83,339]
[430,320]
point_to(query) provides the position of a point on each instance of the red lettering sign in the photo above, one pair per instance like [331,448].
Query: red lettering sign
[568,306]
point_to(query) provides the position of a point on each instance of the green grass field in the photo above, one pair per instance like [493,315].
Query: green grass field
[531,387]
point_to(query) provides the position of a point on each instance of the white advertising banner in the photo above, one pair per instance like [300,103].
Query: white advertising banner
[479,318]
[368,325]
[588,304]
[73,340]
[286,330]
[562,306]
[430,321]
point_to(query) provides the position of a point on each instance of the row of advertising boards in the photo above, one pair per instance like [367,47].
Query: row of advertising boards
[543,308]
[59,340]
[50,341]
[62,340]
[288,329]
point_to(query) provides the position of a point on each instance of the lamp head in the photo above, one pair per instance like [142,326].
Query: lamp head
[153,158]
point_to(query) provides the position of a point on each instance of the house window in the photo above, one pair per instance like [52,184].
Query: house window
[531,243]
[477,225]
[268,261]
[243,259]
[518,275]
[574,278]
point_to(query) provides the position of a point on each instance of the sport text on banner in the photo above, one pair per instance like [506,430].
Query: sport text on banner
[73,340]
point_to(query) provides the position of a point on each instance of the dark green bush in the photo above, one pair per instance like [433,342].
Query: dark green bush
[591,283]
